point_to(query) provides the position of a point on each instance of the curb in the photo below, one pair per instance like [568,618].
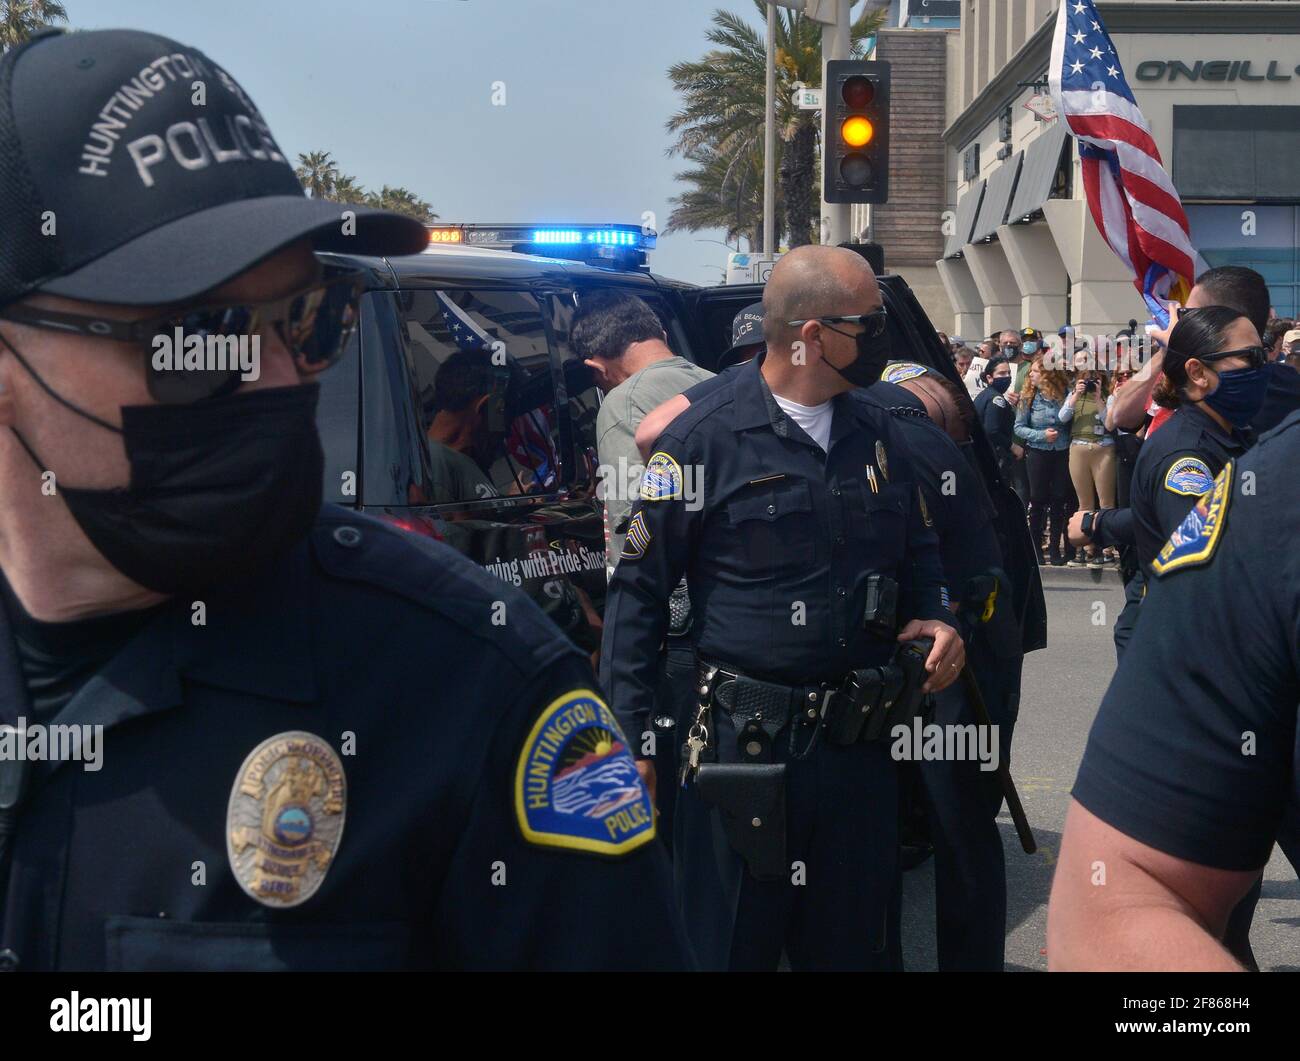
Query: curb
[1080,576]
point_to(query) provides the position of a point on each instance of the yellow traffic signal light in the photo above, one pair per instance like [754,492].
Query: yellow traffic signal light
[857,131]
[855,162]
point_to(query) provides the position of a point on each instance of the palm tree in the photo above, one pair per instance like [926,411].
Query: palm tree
[723,100]
[402,201]
[721,193]
[318,173]
[21,19]
[347,190]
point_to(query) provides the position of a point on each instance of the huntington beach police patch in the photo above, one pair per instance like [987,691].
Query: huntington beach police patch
[1194,540]
[576,785]
[1190,476]
[285,818]
[662,480]
[901,371]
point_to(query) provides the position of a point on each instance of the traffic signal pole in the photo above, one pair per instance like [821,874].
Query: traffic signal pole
[835,217]
[769,140]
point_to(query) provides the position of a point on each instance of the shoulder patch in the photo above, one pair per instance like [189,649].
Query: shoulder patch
[1195,539]
[576,784]
[1189,476]
[999,400]
[662,480]
[637,540]
[900,371]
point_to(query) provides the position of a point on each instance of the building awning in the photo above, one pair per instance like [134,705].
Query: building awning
[968,207]
[997,197]
[1037,173]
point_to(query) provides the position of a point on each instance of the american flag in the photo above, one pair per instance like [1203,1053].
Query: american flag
[1132,200]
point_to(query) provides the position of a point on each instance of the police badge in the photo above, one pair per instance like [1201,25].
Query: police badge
[882,462]
[285,818]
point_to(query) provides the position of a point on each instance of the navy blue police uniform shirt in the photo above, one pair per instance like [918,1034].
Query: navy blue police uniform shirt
[373,756]
[998,419]
[957,505]
[1194,748]
[1175,466]
[776,538]
[1281,396]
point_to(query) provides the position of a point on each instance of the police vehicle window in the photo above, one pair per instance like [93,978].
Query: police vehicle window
[483,378]
[337,418]
[578,429]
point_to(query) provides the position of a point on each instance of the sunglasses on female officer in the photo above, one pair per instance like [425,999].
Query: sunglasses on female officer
[1254,355]
[315,323]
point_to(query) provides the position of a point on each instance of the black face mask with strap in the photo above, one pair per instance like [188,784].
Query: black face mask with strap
[218,488]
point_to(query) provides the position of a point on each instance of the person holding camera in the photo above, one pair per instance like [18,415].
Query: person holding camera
[1092,448]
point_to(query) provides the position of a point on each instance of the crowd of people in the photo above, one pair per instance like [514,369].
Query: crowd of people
[1048,406]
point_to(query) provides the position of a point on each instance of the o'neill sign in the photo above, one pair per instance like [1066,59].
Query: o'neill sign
[1212,70]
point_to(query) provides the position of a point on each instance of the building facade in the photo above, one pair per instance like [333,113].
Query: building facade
[1218,82]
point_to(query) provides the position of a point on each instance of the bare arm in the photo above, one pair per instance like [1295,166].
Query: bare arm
[1118,904]
[1132,399]
[653,423]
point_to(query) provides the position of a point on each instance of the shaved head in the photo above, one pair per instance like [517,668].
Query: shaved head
[815,281]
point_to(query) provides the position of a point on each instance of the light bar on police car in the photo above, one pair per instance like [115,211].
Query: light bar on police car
[632,237]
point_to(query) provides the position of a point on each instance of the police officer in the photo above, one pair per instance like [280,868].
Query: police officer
[1213,380]
[963,797]
[1170,803]
[242,731]
[794,514]
[995,407]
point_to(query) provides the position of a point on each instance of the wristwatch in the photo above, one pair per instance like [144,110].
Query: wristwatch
[1086,523]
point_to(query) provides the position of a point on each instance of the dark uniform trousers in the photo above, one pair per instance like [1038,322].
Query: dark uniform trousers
[962,801]
[777,549]
[381,644]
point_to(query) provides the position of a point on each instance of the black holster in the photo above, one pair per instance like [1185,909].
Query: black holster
[750,799]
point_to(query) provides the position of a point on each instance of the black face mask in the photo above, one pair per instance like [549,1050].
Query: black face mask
[873,355]
[218,487]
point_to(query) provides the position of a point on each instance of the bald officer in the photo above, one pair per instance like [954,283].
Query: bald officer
[793,511]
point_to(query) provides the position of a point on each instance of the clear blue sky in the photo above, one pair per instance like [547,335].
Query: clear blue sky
[400,91]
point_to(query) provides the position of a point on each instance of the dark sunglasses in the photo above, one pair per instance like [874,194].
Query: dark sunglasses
[315,323]
[1254,355]
[873,324]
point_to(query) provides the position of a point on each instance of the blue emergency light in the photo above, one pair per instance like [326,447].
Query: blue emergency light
[605,245]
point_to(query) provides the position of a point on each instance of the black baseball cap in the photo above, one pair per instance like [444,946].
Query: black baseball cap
[746,331]
[135,170]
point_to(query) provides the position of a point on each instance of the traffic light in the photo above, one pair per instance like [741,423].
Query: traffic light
[855,135]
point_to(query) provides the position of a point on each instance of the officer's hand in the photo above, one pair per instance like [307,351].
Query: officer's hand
[1017,451]
[1013,397]
[946,658]
[1075,530]
[1160,336]
[646,769]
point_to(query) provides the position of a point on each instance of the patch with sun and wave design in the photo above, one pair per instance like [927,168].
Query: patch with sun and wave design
[576,784]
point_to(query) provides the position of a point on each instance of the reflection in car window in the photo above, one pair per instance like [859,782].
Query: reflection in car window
[482,372]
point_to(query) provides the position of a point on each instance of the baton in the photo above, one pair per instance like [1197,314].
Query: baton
[976,698]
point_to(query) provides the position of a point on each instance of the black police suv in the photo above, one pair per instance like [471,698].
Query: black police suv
[458,331]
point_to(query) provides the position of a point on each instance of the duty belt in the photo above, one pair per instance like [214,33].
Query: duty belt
[857,708]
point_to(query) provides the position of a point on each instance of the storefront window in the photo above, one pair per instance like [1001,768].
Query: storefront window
[1264,238]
